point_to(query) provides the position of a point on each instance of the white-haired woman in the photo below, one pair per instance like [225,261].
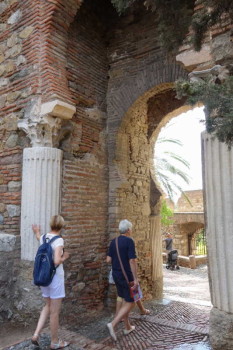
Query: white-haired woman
[128,258]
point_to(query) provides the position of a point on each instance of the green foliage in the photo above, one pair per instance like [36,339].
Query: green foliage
[173,21]
[176,17]
[212,13]
[201,248]
[218,102]
[166,214]
[168,167]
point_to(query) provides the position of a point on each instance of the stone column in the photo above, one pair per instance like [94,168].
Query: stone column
[41,185]
[218,184]
[157,260]
[40,193]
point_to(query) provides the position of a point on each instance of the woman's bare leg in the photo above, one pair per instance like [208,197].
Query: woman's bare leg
[55,307]
[118,306]
[42,319]
[123,312]
[142,308]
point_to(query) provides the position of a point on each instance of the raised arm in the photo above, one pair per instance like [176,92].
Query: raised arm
[36,230]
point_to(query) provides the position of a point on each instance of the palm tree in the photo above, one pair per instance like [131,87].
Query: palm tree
[168,169]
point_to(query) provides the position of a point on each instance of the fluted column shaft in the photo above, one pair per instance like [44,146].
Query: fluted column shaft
[218,178]
[157,263]
[40,194]
[218,184]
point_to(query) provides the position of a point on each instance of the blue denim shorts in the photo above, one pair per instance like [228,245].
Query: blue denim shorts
[122,289]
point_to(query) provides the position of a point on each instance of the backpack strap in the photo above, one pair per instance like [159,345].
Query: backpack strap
[53,239]
[50,241]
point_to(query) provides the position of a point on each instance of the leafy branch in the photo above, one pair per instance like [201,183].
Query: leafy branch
[217,99]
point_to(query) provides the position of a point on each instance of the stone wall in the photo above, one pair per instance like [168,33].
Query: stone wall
[16,90]
[196,202]
[9,259]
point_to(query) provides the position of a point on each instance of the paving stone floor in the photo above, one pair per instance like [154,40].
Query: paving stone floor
[172,325]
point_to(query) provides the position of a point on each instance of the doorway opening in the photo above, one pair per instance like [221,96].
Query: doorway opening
[179,147]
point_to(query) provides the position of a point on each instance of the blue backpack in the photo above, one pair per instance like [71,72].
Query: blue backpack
[44,268]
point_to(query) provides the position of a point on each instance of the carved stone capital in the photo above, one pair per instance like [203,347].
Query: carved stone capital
[216,74]
[42,122]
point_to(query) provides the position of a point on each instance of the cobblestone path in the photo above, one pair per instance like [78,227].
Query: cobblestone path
[172,324]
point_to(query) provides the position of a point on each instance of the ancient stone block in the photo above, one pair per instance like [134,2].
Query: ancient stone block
[26,32]
[9,66]
[15,17]
[2,207]
[7,242]
[12,141]
[11,122]
[12,96]
[221,324]
[4,82]
[14,186]
[20,60]
[222,48]
[191,58]
[14,51]
[2,27]
[13,40]
[13,210]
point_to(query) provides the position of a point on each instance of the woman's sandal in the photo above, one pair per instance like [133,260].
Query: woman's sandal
[145,312]
[60,345]
[34,339]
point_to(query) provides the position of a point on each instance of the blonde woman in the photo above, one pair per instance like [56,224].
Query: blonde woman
[55,292]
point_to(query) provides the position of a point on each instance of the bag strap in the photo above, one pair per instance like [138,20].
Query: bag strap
[122,267]
[50,241]
[53,239]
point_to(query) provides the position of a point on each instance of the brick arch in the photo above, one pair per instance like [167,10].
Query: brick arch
[130,155]
[55,19]
[152,79]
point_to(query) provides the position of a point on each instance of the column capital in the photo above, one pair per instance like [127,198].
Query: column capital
[42,122]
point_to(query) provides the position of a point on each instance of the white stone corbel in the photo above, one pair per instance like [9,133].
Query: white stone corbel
[58,108]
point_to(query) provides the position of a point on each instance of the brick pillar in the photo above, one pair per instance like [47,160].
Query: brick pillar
[218,170]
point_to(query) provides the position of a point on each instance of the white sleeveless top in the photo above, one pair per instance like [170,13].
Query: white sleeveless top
[59,242]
